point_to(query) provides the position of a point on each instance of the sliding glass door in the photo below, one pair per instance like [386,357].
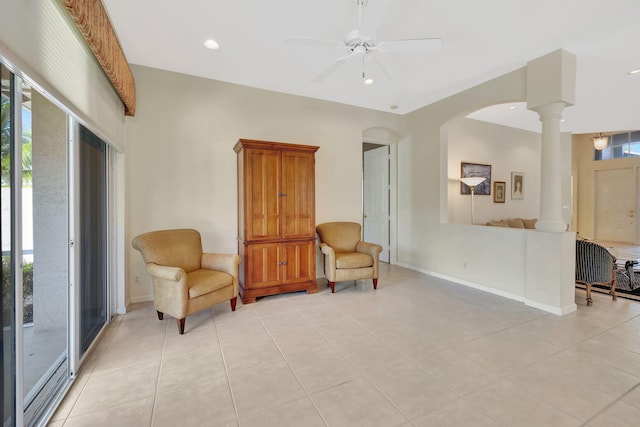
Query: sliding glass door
[45,254]
[93,236]
[7,297]
[54,238]
[35,261]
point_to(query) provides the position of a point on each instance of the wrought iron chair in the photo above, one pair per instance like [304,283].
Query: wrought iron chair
[595,265]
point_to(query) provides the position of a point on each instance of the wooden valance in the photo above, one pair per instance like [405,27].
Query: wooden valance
[93,22]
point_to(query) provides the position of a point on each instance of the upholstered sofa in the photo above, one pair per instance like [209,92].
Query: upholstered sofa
[529,224]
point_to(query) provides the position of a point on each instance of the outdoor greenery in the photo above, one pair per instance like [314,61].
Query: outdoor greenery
[7,298]
[5,178]
[5,138]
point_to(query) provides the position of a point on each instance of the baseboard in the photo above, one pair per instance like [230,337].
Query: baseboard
[142,298]
[560,311]
[467,283]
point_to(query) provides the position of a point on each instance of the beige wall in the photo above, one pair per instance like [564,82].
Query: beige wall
[506,150]
[584,176]
[502,261]
[181,172]
[181,167]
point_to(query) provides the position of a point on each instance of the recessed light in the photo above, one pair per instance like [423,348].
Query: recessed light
[394,107]
[634,72]
[368,81]
[513,107]
[211,44]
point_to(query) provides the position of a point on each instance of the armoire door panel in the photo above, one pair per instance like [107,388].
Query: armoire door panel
[264,264]
[298,206]
[263,186]
[299,261]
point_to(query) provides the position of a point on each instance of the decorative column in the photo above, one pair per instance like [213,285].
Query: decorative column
[551,218]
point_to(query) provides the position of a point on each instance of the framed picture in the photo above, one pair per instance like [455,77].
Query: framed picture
[475,169]
[517,185]
[499,191]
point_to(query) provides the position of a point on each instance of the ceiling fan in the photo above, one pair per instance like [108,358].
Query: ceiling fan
[359,46]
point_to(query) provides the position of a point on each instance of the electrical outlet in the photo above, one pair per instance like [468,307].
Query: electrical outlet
[137,279]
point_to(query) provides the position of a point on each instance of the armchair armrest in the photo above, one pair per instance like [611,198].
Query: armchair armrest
[369,248]
[170,290]
[163,272]
[327,250]
[227,263]
[329,262]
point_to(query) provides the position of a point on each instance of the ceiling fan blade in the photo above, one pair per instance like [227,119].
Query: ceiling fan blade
[314,42]
[411,45]
[330,69]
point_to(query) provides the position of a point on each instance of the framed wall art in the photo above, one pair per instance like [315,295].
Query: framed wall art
[517,185]
[499,191]
[476,169]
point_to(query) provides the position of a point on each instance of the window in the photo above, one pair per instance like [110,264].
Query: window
[621,145]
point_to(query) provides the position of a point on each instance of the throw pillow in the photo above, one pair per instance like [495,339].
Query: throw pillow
[515,223]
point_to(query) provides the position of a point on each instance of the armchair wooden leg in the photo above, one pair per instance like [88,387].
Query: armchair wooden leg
[234,300]
[333,287]
[181,325]
[375,283]
[589,300]
[160,315]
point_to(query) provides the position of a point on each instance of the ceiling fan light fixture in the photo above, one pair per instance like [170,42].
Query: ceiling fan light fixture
[211,44]
[600,142]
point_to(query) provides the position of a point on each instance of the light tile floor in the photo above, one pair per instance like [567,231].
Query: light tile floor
[419,351]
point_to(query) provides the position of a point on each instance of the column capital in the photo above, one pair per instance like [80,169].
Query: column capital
[548,111]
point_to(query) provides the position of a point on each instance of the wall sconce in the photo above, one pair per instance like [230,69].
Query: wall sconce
[600,142]
[472,182]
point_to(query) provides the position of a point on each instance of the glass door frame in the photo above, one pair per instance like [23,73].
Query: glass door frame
[74,361]
[16,247]
[75,340]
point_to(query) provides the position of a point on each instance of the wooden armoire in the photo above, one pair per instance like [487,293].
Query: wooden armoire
[276,218]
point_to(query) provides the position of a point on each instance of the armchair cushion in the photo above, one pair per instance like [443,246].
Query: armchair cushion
[353,260]
[202,282]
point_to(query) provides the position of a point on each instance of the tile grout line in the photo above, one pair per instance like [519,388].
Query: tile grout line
[597,414]
[362,374]
[155,395]
[226,370]
[88,373]
[499,377]
[292,370]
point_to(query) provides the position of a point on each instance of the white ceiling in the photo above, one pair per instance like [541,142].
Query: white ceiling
[480,40]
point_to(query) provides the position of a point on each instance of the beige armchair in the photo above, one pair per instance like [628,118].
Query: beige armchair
[186,280]
[346,256]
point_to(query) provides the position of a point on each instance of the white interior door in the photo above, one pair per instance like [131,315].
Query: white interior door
[615,205]
[376,199]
